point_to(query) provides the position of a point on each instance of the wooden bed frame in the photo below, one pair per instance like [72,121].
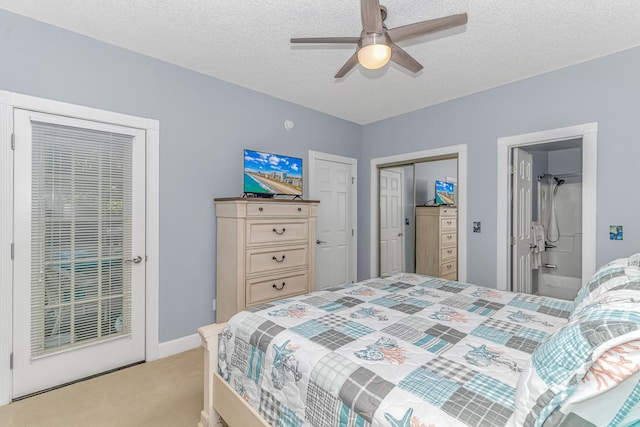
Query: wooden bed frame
[222,405]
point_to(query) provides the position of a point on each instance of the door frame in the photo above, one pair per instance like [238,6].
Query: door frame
[8,102]
[589,134]
[353,220]
[461,151]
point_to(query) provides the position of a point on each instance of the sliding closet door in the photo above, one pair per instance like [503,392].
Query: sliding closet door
[79,284]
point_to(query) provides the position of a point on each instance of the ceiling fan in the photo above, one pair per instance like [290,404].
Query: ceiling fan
[377,44]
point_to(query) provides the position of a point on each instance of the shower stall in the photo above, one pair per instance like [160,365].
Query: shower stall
[559,198]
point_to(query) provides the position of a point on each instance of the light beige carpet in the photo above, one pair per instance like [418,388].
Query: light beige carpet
[164,393]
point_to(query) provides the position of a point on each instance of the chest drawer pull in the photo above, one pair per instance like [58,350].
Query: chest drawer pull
[281,232]
[279,288]
[278,260]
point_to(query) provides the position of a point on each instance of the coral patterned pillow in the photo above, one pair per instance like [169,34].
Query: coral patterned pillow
[586,372]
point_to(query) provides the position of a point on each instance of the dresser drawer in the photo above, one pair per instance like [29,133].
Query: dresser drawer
[277,231]
[449,212]
[451,276]
[448,268]
[448,254]
[278,209]
[277,287]
[448,224]
[448,239]
[268,260]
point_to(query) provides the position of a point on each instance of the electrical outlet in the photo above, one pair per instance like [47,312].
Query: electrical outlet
[476,226]
[213,306]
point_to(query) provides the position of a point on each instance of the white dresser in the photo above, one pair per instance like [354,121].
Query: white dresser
[265,251]
[437,241]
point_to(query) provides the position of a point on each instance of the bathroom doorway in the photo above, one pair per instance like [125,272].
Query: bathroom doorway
[556,165]
[547,219]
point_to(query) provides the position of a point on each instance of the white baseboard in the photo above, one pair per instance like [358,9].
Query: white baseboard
[179,345]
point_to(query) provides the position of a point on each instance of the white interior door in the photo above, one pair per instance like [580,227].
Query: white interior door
[521,221]
[391,228]
[79,282]
[333,186]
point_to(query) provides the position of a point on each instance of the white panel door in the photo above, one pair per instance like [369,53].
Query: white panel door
[332,187]
[79,283]
[521,221]
[391,233]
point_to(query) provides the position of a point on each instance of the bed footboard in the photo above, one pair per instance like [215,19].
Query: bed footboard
[220,401]
[209,336]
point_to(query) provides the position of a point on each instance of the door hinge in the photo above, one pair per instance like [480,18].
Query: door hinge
[13,141]
[513,240]
[12,249]
[11,361]
[512,169]
[353,179]
[353,232]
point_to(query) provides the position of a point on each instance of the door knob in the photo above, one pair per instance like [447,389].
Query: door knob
[137,259]
[320,241]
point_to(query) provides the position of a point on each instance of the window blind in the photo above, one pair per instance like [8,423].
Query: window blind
[81,237]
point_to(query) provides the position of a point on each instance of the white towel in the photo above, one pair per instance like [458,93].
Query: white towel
[537,236]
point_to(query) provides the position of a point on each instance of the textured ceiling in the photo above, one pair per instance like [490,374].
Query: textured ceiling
[247,43]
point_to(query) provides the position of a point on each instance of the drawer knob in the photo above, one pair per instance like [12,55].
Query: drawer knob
[449,267]
[278,288]
[449,237]
[278,260]
[280,233]
[299,209]
[260,208]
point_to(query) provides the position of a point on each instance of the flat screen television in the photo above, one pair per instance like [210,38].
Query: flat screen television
[445,193]
[268,174]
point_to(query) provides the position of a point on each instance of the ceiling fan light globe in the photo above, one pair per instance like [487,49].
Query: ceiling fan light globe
[374,56]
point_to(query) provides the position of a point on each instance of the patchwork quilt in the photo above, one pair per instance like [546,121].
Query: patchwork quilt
[404,351]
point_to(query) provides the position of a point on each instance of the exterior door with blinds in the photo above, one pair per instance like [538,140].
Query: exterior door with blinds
[79,282]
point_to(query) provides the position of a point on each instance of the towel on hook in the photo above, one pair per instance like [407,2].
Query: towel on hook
[537,241]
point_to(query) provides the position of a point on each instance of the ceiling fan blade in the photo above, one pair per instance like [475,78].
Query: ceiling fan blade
[371,16]
[403,59]
[326,40]
[351,62]
[426,27]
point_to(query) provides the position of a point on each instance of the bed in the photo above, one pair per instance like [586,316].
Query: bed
[417,351]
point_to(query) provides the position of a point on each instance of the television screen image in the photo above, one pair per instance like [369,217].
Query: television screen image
[445,193]
[271,174]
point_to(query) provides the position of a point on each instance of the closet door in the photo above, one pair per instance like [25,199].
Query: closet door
[79,283]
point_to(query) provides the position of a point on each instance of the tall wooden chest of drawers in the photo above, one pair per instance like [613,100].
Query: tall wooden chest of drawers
[437,241]
[265,251]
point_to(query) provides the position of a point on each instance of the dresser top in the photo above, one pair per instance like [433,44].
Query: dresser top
[262,200]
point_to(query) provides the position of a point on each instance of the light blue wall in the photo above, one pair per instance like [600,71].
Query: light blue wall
[565,161]
[204,125]
[604,90]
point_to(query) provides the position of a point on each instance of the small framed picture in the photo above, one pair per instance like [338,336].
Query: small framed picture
[615,232]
